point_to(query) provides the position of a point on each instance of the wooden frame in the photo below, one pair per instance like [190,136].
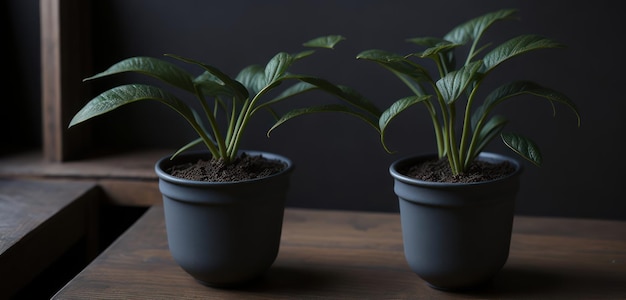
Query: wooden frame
[126,178]
[65,59]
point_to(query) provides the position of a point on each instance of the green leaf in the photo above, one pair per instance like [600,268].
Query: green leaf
[523,146]
[296,89]
[301,55]
[239,89]
[517,88]
[328,42]
[474,28]
[517,46]
[394,110]
[154,67]
[276,67]
[345,93]
[212,86]
[442,53]
[126,94]
[433,52]
[252,77]
[428,42]
[453,84]
[322,108]
[396,63]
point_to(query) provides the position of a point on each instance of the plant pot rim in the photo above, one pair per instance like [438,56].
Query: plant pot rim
[485,156]
[161,164]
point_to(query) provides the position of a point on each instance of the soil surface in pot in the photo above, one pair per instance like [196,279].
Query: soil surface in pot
[438,170]
[244,167]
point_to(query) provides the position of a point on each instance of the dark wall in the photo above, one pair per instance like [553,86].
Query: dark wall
[339,160]
[20,103]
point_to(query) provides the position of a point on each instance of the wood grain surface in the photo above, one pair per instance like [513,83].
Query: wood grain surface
[357,255]
[39,221]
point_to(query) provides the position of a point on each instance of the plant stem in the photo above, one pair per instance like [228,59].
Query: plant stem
[437,127]
[231,121]
[445,114]
[467,127]
[237,130]
[453,155]
[247,110]
[214,126]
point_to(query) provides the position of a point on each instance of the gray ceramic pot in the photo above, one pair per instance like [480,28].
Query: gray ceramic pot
[223,234]
[456,236]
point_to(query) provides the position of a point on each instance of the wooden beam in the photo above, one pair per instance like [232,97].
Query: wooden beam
[65,60]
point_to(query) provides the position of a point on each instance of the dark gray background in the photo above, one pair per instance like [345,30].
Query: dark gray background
[339,161]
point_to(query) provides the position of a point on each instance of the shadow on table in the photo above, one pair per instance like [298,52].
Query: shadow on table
[517,282]
[289,280]
[526,282]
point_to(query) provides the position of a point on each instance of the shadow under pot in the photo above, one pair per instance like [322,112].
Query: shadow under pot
[456,235]
[224,234]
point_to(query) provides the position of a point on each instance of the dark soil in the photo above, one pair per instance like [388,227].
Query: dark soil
[438,170]
[244,167]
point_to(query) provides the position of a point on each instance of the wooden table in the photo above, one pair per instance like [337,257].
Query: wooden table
[39,221]
[357,255]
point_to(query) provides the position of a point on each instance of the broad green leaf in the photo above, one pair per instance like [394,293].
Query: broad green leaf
[427,42]
[296,89]
[252,77]
[433,52]
[125,94]
[453,84]
[398,107]
[517,46]
[523,146]
[396,63]
[276,67]
[328,42]
[322,108]
[442,53]
[353,97]
[154,67]
[239,89]
[212,86]
[517,88]
[394,110]
[301,55]
[345,93]
[473,29]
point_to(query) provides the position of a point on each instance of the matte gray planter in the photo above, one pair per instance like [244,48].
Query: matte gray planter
[456,236]
[223,234]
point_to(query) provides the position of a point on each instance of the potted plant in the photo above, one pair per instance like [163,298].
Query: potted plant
[457,226]
[223,205]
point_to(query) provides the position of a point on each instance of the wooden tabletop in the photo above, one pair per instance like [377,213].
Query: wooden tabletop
[39,222]
[358,255]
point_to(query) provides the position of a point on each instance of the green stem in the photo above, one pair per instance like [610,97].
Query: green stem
[445,115]
[453,153]
[237,130]
[437,128]
[470,53]
[214,126]
[244,117]
[231,121]
[467,126]
[472,147]
[207,141]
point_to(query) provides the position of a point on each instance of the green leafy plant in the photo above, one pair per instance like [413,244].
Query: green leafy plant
[457,84]
[227,103]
